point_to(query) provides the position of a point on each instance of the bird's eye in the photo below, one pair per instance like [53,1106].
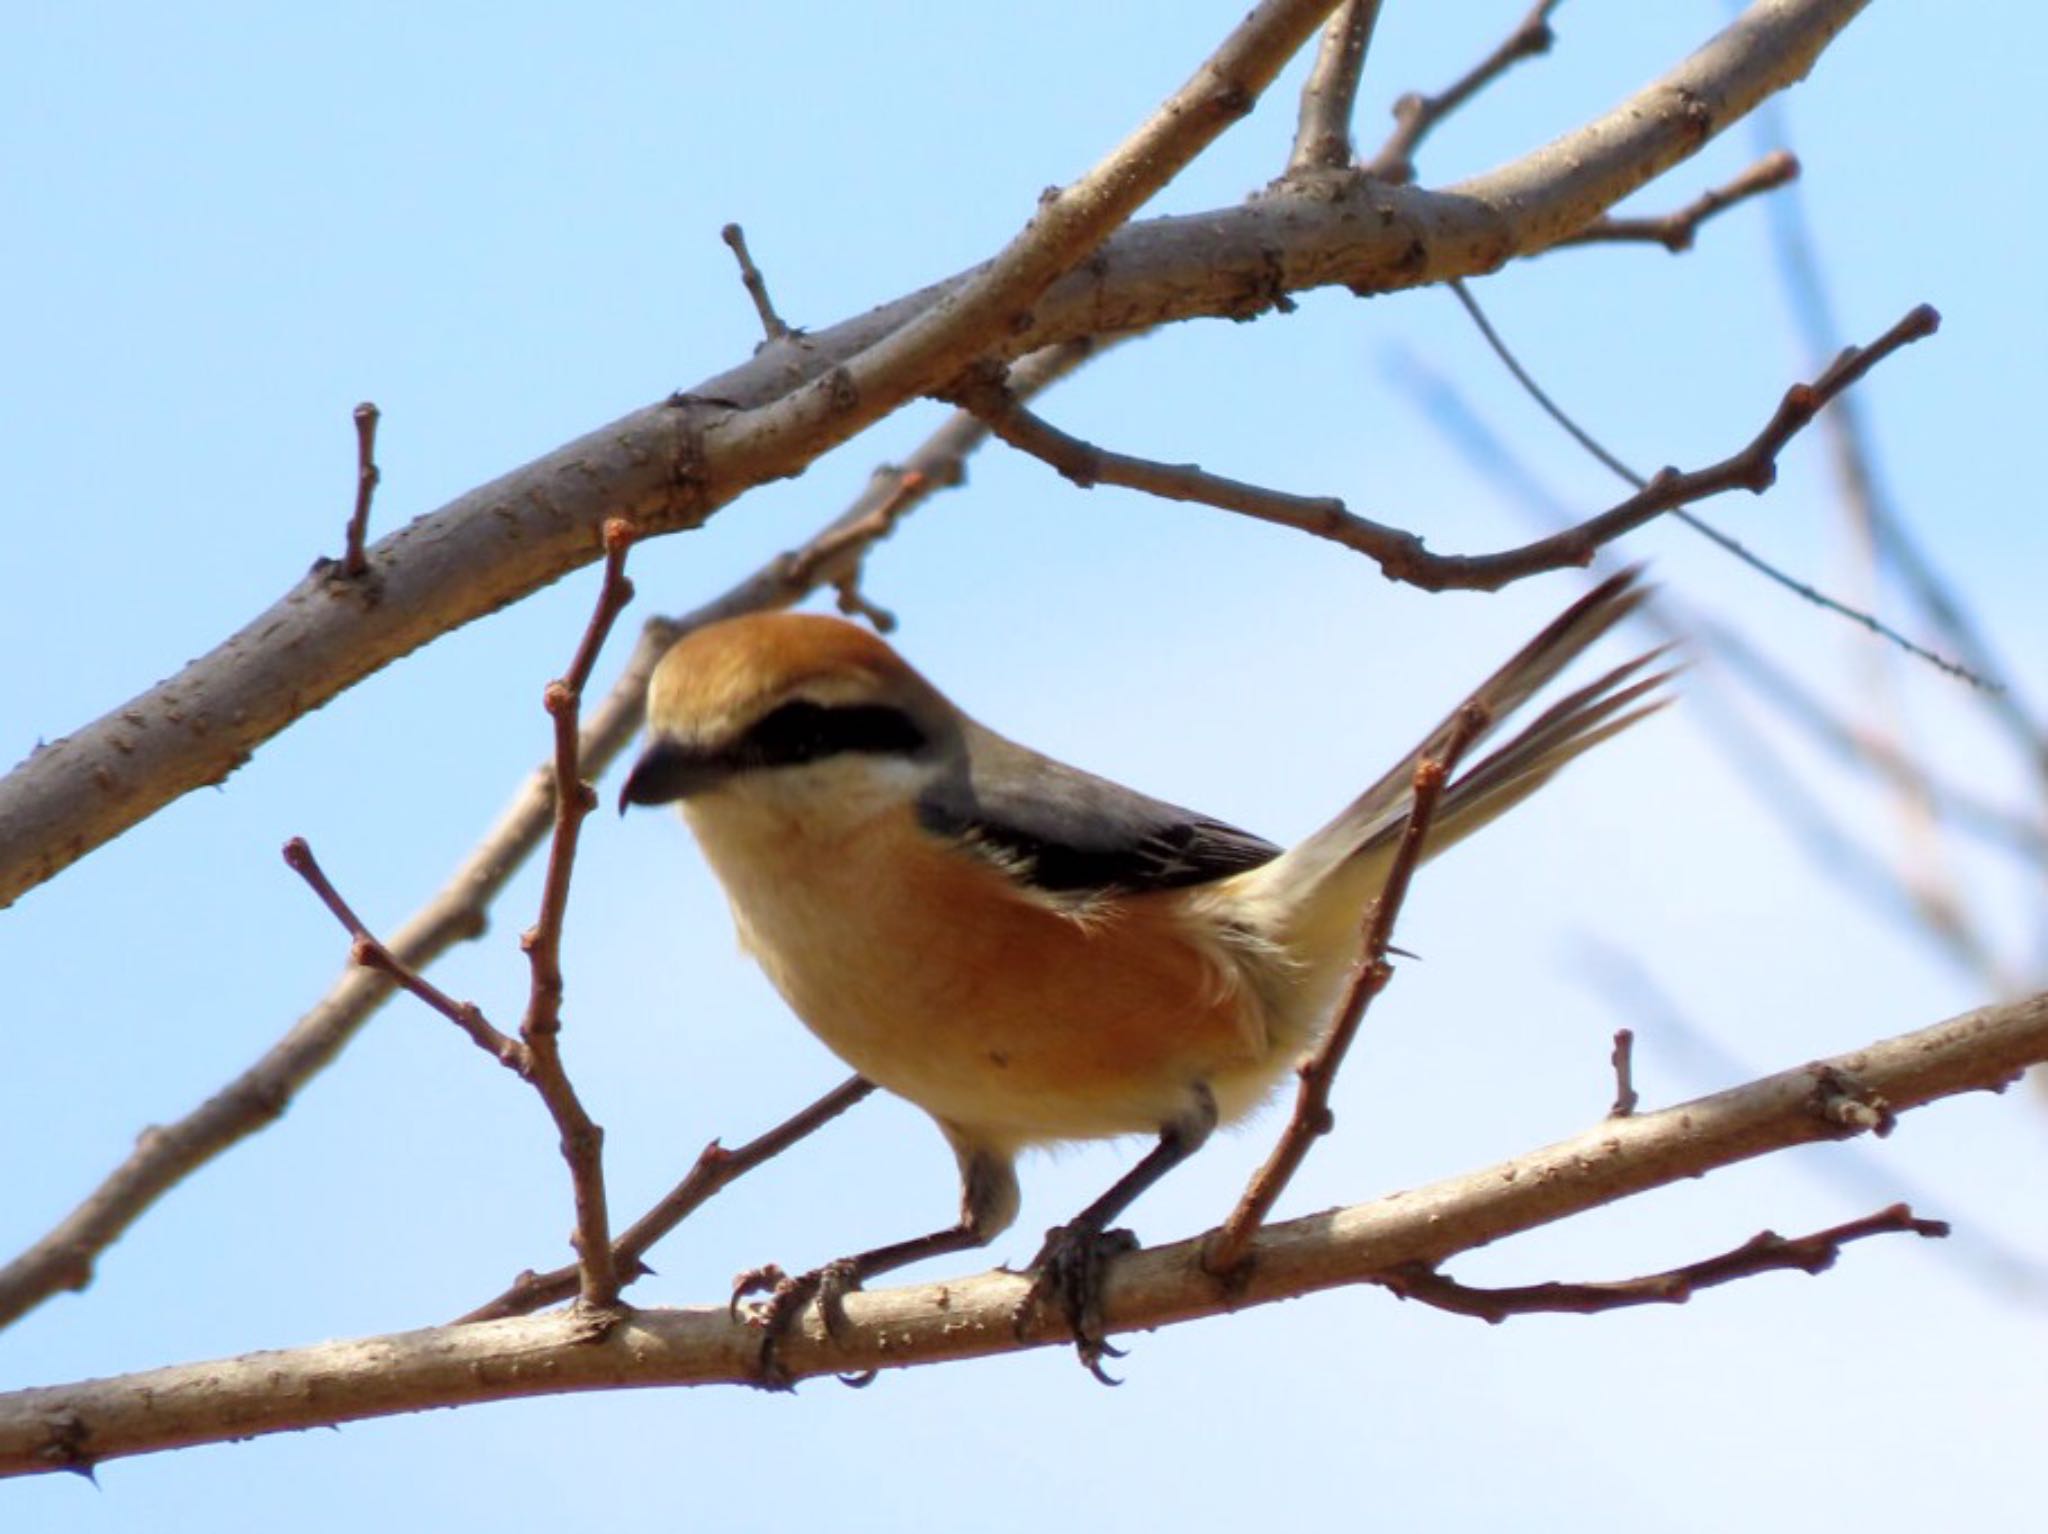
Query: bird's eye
[807,732]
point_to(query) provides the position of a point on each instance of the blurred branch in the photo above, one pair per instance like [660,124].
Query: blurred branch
[1399,553]
[1862,485]
[165,1155]
[1880,757]
[1813,823]
[74,1426]
[1919,323]
[1415,115]
[672,465]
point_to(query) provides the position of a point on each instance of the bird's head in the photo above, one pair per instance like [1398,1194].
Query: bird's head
[791,712]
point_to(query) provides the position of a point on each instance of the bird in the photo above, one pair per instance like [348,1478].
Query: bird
[1028,952]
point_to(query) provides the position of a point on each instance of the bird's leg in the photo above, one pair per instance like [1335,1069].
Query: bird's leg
[988,1202]
[1071,1266]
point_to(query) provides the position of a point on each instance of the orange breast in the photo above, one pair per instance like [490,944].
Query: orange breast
[931,974]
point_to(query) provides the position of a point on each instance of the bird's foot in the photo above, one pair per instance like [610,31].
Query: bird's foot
[1069,1271]
[787,1298]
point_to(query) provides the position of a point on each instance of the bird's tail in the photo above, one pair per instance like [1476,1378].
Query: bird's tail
[1314,895]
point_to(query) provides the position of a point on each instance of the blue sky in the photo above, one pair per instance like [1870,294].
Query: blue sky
[501,224]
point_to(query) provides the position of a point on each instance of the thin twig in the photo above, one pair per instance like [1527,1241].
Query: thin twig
[1224,1254]
[64,1257]
[757,285]
[370,952]
[582,1138]
[1322,134]
[1624,1062]
[1399,553]
[353,561]
[1621,980]
[1677,230]
[1801,404]
[715,1168]
[1415,115]
[1812,820]
[1765,1252]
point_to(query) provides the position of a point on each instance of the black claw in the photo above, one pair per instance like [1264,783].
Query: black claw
[766,1279]
[1069,1270]
[827,1286]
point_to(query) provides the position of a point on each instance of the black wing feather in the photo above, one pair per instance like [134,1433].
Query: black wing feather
[1071,833]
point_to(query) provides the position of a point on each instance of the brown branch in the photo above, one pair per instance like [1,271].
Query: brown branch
[63,1259]
[756,284]
[715,1169]
[1225,1255]
[1624,1062]
[353,562]
[1400,554]
[1810,819]
[1415,115]
[72,1426]
[1676,231]
[540,1030]
[672,465]
[367,950]
[1765,1252]
[1322,133]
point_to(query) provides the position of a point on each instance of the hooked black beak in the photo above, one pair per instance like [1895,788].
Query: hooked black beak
[668,771]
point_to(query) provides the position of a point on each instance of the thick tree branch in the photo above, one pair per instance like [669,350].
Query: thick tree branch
[670,466]
[70,1427]
[164,1155]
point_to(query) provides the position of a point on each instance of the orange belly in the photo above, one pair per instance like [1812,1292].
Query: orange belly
[991,1010]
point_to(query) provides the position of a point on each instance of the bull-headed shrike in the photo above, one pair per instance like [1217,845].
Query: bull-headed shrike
[1027,952]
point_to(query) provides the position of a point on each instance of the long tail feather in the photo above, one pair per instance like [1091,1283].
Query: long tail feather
[1317,891]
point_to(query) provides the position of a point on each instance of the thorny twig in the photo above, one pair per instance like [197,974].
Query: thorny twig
[1765,1252]
[1400,554]
[1224,1253]
[370,952]
[540,1030]
[715,1168]
[536,1053]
